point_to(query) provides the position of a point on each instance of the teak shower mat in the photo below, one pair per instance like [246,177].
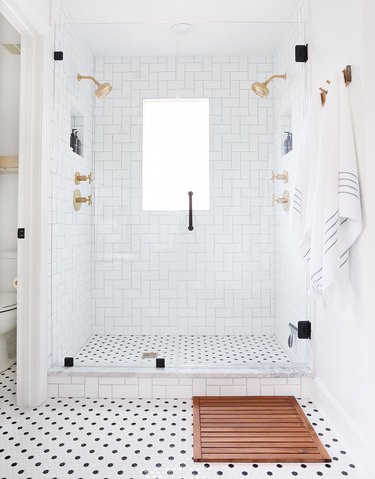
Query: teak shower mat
[254,429]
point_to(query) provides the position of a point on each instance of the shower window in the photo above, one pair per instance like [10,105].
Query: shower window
[175,153]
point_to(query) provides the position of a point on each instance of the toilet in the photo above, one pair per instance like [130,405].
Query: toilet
[8,309]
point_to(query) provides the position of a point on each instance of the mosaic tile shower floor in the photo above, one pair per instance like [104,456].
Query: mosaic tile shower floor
[103,438]
[188,351]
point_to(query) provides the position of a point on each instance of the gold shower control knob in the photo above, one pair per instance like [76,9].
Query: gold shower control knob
[78,200]
[78,178]
[280,176]
[284,200]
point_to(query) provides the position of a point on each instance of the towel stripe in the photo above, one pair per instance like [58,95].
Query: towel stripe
[332,245]
[347,193]
[319,270]
[348,179]
[332,235]
[349,186]
[331,217]
[342,264]
[335,223]
[347,173]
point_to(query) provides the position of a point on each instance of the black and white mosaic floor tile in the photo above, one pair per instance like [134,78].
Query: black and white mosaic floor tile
[133,439]
[120,350]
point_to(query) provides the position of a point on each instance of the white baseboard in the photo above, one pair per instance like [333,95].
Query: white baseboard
[360,449]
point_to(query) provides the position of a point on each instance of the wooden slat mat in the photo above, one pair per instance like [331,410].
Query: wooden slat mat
[254,429]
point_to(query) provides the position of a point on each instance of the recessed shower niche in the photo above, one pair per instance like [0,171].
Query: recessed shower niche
[220,296]
[77,132]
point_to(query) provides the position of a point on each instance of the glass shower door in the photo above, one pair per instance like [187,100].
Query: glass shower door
[131,283]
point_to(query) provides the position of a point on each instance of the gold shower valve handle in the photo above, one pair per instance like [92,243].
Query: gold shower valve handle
[84,199]
[78,200]
[280,176]
[78,178]
[284,200]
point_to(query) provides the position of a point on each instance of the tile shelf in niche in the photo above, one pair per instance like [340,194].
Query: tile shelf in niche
[76,155]
[287,156]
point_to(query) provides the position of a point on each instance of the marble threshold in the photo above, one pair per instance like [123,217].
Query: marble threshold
[286,371]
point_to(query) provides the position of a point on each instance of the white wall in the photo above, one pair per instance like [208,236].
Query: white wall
[9,91]
[9,140]
[342,33]
[152,276]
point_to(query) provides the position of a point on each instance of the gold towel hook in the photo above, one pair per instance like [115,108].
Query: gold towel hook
[323,95]
[347,72]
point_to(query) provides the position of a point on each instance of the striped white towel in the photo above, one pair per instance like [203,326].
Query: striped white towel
[305,177]
[337,219]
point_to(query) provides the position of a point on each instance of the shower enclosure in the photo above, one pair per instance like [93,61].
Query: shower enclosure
[131,282]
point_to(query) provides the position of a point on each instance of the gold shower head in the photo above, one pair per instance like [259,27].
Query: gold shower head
[261,89]
[102,89]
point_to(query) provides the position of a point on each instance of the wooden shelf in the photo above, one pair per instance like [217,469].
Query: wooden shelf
[8,162]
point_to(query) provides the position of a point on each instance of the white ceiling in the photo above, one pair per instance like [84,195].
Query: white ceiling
[173,11]
[144,39]
[7,33]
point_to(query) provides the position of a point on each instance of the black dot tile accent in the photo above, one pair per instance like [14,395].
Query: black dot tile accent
[120,350]
[130,438]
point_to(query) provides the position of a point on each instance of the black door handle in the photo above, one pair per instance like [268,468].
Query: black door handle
[190,227]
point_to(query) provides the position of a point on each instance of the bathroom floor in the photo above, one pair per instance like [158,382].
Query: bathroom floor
[103,438]
[119,350]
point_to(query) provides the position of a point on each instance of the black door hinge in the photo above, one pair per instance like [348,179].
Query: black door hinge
[304,330]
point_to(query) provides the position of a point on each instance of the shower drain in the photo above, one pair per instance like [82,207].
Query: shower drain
[150,355]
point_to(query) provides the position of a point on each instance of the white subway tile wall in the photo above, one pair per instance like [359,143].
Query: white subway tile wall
[70,260]
[151,275]
[176,387]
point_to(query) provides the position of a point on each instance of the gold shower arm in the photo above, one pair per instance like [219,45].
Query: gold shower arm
[275,76]
[102,89]
[87,77]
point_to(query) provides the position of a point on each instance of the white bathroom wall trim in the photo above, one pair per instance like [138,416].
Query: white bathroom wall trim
[343,421]
[25,13]
[32,208]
